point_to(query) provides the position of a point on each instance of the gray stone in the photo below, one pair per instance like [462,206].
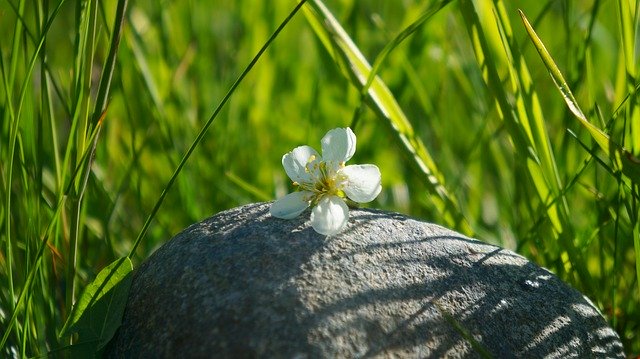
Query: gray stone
[245,284]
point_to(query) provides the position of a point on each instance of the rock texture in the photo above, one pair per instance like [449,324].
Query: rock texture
[245,284]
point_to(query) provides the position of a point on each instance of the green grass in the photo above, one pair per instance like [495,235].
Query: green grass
[109,148]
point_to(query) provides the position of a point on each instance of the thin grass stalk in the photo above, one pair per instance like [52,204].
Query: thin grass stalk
[86,14]
[356,68]
[47,234]
[44,109]
[83,68]
[432,10]
[46,300]
[28,281]
[11,119]
[525,125]
[621,157]
[487,62]
[15,305]
[583,61]
[13,142]
[628,20]
[74,144]
[616,255]
[94,124]
[30,205]
[635,217]
[9,115]
[17,37]
[390,46]
[544,173]
[206,126]
[110,63]
[529,114]
[101,105]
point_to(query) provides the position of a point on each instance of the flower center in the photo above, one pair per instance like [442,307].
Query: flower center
[325,180]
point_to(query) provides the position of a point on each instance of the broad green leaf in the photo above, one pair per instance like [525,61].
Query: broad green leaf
[84,349]
[98,312]
[355,66]
[622,158]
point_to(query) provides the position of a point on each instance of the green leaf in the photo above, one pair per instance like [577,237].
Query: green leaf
[622,158]
[98,313]
[78,350]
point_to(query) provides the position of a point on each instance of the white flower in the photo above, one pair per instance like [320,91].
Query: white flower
[324,182]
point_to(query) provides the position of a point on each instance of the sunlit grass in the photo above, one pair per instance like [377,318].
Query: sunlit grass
[468,129]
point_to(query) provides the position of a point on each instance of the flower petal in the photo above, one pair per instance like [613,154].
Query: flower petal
[338,145]
[361,183]
[291,205]
[330,216]
[295,161]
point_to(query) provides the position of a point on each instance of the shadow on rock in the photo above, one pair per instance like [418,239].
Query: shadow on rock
[244,284]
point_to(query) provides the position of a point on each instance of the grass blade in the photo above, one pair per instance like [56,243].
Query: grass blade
[635,215]
[624,160]
[110,64]
[206,126]
[13,130]
[35,268]
[382,56]
[347,55]
[523,118]
[531,120]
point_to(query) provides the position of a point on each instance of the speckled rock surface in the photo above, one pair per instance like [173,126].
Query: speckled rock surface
[245,284]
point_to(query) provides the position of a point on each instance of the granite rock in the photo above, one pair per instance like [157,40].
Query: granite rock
[245,284]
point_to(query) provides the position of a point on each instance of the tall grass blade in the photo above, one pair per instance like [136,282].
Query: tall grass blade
[433,9]
[628,19]
[624,160]
[247,187]
[206,126]
[88,79]
[523,118]
[83,69]
[635,216]
[110,63]
[531,119]
[10,121]
[44,242]
[351,60]
[14,118]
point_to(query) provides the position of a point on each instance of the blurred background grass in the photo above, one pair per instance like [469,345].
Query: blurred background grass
[177,60]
